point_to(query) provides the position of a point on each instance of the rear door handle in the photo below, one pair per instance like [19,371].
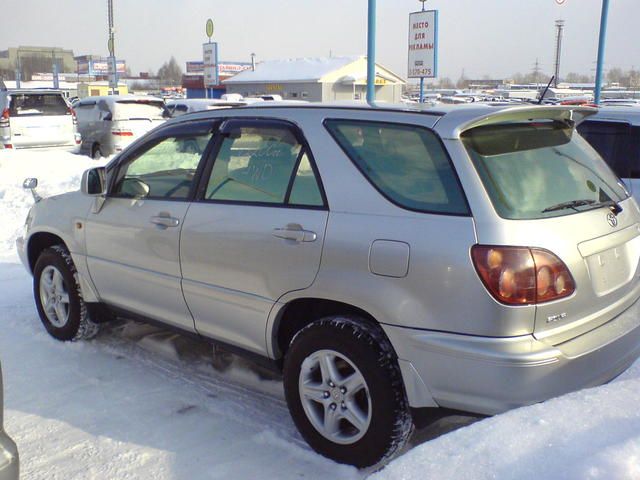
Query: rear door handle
[295,232]
[165,220]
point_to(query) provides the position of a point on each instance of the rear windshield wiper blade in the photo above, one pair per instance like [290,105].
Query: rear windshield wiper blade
[570,204]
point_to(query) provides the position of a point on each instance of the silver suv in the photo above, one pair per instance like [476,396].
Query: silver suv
[477,258]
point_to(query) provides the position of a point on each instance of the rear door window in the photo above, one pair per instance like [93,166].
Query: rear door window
[264,165]
[140,110]
[405,163]
[37,104]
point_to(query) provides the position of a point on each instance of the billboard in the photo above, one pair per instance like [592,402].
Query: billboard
[195,67]
[99,67]
[423,44]
[210,59]
[224,68]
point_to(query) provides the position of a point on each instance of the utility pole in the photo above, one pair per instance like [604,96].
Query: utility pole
[559,28]
[111,44]
[536,72]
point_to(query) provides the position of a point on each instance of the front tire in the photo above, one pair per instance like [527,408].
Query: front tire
[58,297]
[345,392]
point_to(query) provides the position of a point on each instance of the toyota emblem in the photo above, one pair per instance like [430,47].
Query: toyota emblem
[612,219]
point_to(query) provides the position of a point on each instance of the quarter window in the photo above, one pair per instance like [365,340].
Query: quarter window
[263,165]
[406,163]
[166,170]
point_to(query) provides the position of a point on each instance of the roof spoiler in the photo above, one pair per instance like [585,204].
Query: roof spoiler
[575,114]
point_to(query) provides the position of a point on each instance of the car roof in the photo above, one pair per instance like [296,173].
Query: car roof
[452,119]
[39,91]
[618,113]
[111,99]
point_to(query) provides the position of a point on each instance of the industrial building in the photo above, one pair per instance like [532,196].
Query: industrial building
[316,80]
[35,59]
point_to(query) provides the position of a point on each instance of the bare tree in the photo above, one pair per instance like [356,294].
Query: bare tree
[170,73]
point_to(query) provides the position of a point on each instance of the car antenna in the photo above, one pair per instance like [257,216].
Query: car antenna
[544,92]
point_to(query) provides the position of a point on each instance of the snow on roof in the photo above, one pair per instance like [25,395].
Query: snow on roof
[292,70]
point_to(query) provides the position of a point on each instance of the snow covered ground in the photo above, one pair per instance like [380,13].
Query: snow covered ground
[142,403]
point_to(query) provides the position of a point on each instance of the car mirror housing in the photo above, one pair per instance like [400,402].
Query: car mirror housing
[94,182]
[30,184]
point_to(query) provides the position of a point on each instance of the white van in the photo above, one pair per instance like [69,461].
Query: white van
[37,118]
[109,124]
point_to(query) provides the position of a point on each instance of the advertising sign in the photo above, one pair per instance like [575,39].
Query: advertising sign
[423,44]
[195,67]
[210,60]
[224,68]
[229,69]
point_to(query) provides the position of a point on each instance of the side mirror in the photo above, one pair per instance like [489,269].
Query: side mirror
[31,184]
[94,182]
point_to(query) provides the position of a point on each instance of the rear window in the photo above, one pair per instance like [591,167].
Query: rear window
[31,104]
[617,142]
[405,163]
[539,170]
[140,109]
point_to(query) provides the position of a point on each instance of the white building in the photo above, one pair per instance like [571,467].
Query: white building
[316,79]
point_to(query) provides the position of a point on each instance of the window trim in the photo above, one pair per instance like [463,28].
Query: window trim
[172,131]
[260,122]
[379,190]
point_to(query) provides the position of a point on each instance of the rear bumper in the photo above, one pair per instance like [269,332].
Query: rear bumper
[9,460]
[72,148]
[490,375]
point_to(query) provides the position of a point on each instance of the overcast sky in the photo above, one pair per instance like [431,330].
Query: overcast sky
[483,37]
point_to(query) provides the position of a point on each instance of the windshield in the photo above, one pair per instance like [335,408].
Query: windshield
[140,109]
[540,170]
[31,104]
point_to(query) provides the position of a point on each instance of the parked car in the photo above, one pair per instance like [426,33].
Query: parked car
[37,118]
[9,459]
[477,258]
[108,124]
[614,132]
[188,105]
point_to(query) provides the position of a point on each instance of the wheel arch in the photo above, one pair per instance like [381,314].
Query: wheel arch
[38,242]
[300,312]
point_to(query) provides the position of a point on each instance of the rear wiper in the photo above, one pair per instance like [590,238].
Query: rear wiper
[615,208]
[570,204]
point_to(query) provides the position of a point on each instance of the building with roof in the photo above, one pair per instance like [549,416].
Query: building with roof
[316,80]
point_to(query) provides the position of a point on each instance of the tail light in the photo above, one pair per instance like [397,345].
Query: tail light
[521,275]
[4,118]
[73,116]
[122,133]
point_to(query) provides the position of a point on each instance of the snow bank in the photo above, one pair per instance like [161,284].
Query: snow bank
[591,434]
[57,172]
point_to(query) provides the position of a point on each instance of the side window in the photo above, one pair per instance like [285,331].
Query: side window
[166,170]
[305,190]
[104,112]
[405,163]
[615,143]
[256,165]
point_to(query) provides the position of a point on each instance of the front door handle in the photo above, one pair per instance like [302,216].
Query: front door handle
[165,220]
[295,232]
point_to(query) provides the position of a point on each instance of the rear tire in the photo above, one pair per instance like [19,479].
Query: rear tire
[345,392]
[96,152]
[58,297]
